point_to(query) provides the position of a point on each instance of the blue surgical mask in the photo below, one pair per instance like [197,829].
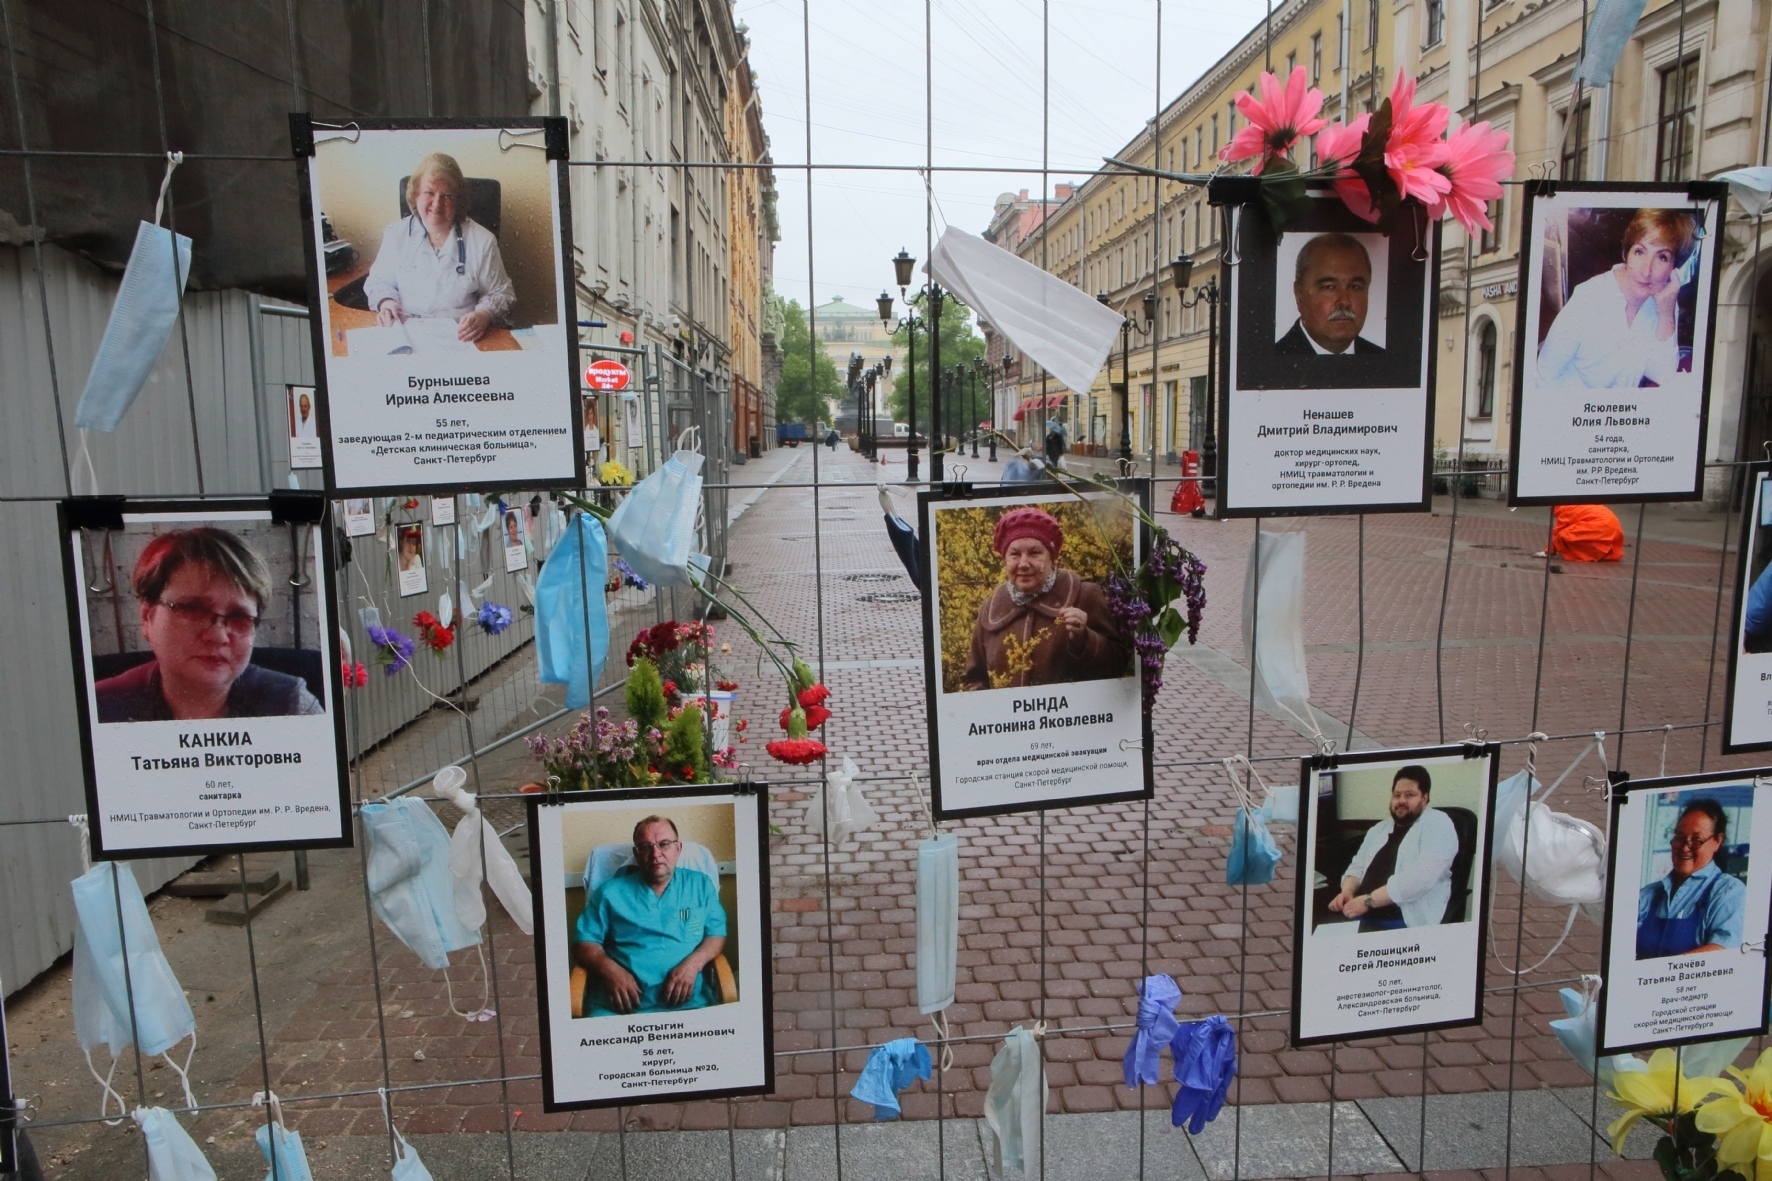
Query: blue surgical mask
[407,1166]
[938,921]
[284,1152]
[163,1016]
[172,1154]
[1254,856]
[141,323]
[568,600]
[410,886]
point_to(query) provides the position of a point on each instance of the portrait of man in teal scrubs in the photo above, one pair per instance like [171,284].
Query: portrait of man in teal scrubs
[645,935]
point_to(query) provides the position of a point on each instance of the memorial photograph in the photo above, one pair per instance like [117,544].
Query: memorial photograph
[654,959]
[208,662]
[1392,891]
[1687,896]
[1327,393]
[1613,357]
[1034,693]
[437,258]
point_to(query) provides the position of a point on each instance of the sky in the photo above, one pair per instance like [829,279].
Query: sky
[868,108]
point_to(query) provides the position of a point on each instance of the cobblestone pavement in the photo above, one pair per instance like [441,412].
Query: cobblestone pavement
[1063,913]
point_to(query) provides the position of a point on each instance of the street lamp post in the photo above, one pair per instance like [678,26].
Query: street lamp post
[994,407]
[1124,387]
[1183,268]
[978,368]
[901,267]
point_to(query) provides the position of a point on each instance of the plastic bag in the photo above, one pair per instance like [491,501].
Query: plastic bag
[654,526]
[568,598]
[465,861]
[839,799]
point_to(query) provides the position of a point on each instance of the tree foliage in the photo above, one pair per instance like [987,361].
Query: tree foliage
[960,346]
[810,382]
[1097,542]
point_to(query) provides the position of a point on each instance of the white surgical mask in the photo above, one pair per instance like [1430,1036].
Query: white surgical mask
[172,1154]
[465,861]
[938,921]
[409,882]
[102,993]
[1014,1102]
[141,322]
[282,1148]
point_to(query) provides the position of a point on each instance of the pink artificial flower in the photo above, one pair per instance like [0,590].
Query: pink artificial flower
[1417,145]
[1279,119]
[1337,146]
[1477,161]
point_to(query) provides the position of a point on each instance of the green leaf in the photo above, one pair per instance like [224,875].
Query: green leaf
[1170,625]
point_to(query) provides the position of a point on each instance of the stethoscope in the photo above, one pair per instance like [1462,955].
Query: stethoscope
[461,247]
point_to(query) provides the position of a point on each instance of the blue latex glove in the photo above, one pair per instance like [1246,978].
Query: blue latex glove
[1205,1054]
[890,1069]
[1157,999]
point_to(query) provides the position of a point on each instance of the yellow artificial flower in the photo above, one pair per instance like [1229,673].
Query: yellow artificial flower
[1741,1120]
[1650,1094]
[615,473]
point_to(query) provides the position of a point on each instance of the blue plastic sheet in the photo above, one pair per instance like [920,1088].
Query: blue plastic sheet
[1157,1026]
[890,1069]
[568,600]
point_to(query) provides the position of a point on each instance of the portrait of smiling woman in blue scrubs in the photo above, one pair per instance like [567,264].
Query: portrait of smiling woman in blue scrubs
[1696,906]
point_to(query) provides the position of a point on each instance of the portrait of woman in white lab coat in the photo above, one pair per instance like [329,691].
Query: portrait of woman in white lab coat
[436,262]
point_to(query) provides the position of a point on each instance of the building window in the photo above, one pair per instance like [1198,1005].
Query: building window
[1573,163]
[1486,370]
[1291,62]
[1490,242]
[1340,40]
[1676,122]
[1316,58]
[1436,22]
[1371,24]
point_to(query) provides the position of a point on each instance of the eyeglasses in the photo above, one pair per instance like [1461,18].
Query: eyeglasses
[198,618]
[661,846]
[1691,842]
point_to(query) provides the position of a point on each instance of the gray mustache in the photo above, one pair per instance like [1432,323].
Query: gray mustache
[1342,314]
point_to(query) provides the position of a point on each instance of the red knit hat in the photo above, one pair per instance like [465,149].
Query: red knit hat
[1036,523]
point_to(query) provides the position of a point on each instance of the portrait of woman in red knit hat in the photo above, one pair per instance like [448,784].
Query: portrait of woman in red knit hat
[1043,624]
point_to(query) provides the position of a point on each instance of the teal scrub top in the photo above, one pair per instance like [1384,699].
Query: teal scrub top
[649,934]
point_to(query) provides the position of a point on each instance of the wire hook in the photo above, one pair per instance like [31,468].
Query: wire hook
[110,580]
[517,135]
[356,132]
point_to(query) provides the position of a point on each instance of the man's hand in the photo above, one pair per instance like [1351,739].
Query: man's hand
[1339,903]
[619,983]
[472,326]
[1073,619]
[1356,906]
[389,313]
[679,986]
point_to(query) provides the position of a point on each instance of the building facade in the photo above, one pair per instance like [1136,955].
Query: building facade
[1688,101]
[750,217]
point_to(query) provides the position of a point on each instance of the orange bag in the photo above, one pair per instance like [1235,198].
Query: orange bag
[1586,533]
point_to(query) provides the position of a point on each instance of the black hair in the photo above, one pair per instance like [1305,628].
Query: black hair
[1416,774]
[1719,820]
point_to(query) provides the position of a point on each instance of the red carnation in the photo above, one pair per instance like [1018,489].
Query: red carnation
[439,637]
[814,696]
[726,686]
[670,688]
[424,620]
[816,716]
[797,751]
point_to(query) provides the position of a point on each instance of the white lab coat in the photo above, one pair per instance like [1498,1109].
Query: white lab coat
[1422,883]
[424,279]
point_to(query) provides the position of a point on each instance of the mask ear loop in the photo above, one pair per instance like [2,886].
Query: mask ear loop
[1666,733]
[184,1072]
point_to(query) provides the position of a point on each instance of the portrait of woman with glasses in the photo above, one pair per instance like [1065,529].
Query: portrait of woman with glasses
[201,593]
[1699,905]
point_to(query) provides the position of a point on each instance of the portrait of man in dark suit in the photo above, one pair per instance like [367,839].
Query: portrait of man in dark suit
[1330,285]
